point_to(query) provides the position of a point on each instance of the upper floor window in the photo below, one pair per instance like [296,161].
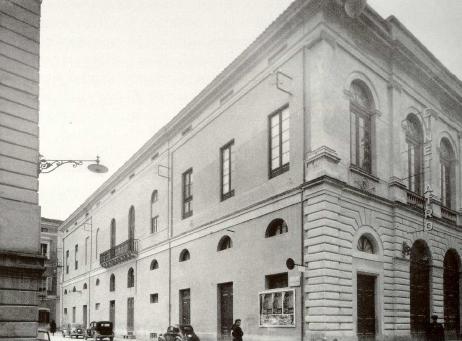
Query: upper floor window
[187,193]
[131,223]
[96,244]
[113,233]
[279,141]
[131,278]
[361,111]
[227,170]
[225,243]
[277,226]
[154,211]
[76,257]
[97,281]
[112,283]
[67,261]
[414,140]
[85,287]
[447,173]
[184,255]
[365,244]
[45,250]
[87,240]
[154,264]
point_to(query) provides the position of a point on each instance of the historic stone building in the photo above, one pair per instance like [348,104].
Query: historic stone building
[49,285]
[21,263]
[334,139]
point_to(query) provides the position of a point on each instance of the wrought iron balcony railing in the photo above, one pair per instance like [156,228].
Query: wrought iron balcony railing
[119,253]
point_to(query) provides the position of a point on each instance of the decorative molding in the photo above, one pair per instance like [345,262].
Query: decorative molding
[394,85]
[322,152]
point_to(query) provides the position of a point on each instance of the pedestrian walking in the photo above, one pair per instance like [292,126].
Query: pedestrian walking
[435,331]
[53,327]
[236,331]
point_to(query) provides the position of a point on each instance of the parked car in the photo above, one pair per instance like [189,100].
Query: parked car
[187,332]
[73,330]
[183,332]
[99,330]
[43,335]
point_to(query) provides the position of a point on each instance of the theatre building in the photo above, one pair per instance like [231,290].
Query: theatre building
[334,139]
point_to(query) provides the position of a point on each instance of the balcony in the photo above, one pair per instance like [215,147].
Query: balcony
[448,214]
[119,253]
[415,200]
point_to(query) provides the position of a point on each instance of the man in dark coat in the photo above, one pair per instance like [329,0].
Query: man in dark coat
[435,330]
[52,327]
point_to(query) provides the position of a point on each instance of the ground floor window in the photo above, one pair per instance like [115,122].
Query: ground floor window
[44,316]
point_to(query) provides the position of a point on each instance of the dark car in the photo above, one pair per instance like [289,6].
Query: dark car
[187,332]
[183,332]
[73,330]
[100,330]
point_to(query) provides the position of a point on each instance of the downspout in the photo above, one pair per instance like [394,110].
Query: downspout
[170,228]
[89,272]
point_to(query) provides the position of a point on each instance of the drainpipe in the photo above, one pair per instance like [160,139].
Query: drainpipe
[170,227]
[89,272]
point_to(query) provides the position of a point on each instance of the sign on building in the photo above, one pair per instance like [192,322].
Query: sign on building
[277,308]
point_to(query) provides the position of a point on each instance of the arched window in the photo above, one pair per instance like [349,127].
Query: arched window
[365,244]
[74,289]
[97,281]
[131,223]
[225,243]
[184,255]
[277,226]
[447,172]
[65,291]
[96,243]
[112,283]
[131,278]
[113,233]
[154,216]
[154,264]
[85,286]
[414,140]
[361,111]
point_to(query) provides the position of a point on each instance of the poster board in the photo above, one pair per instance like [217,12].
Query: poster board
[277,308]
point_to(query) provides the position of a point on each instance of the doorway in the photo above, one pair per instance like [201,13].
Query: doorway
[185,306]
[84,317]
[225,310]
[366,323]
[112,312]
[130,315]
[451,294]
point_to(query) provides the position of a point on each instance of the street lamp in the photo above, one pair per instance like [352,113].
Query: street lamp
[48,166]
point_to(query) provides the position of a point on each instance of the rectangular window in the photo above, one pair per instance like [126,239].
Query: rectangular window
[360,128]
[67,261]
[97,306]
[279,142]
[277,281]
[73,314]
[86,249]
[154,224]
[187,193]
[45,251]
[76,254]
[154,298]
[227,170]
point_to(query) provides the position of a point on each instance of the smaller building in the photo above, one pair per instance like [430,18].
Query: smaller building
[48,293]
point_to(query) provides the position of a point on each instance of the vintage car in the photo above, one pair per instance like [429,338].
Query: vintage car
[99,330]
[183,332]
[43,335]
[73,330]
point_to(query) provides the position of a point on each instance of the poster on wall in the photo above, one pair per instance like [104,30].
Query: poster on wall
[277,308]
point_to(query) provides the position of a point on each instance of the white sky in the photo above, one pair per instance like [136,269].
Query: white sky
[113,72]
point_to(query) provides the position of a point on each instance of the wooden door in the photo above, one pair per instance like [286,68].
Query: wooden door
[225,310]
[451,295]
[419,290]
[112,312]
[366,307]
[185,306]
[130,314]
[84,316]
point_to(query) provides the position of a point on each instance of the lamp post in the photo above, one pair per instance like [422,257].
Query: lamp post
[48,166]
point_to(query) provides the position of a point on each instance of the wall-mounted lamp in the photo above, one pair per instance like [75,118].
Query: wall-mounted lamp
[48,166]
[405,249]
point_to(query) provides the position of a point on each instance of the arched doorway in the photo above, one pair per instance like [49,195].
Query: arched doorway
[451,294]
[420,289]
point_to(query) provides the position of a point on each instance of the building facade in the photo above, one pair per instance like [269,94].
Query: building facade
[334,140]
[49,286]
[21,263]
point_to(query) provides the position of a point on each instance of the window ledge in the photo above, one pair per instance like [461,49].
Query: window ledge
[362,172]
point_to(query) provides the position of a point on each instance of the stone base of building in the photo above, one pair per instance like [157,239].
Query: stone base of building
[19,279]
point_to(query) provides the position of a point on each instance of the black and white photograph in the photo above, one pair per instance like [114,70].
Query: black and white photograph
[216,170]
